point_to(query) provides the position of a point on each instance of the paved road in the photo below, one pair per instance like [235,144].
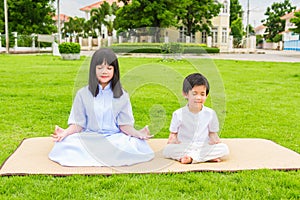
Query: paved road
[260,55]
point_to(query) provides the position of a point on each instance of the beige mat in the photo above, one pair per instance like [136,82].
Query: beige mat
[31,157]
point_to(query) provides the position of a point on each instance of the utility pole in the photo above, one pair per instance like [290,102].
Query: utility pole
[58,22]
[247,28]
[6,26]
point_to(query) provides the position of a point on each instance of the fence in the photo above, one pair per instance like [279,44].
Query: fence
[24,43]
[293,45]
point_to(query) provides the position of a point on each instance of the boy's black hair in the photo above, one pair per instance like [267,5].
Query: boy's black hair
[195,79]
[101,56]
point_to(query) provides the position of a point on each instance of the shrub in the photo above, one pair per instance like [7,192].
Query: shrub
[172,48]
[259,39]
[69,48]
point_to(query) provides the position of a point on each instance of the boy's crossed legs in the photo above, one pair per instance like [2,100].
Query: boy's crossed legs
[187,153]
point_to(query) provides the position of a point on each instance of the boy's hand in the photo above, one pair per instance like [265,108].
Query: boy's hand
[214,138]
[173,139]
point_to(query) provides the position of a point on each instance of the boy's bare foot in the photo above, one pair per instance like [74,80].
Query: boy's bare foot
[215,160]
[186,160]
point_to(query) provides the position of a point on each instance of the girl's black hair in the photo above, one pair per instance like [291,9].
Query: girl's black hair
[195,79]
[101,56]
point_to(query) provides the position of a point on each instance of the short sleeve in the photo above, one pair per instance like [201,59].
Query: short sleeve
[125,115]
[175,122]
[78,112]
[214,123]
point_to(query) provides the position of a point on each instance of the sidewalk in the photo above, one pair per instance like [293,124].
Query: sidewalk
[260,55]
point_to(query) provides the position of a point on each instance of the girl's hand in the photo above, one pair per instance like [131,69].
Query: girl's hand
[145,133]
[173,139]
[59,134]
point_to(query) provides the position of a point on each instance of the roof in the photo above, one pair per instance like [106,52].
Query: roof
[289,15]
[260,27]
[98,4]
[62,17]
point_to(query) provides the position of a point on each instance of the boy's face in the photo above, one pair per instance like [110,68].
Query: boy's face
[196,96]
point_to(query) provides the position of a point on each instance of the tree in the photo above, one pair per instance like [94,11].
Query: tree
[97,18]
[147,13]
[73,27]
[296,21]
[237,31]
[273,22]
[250,29]
[2,24]
[102,14]
[196,15]
[236,11]
[28,16]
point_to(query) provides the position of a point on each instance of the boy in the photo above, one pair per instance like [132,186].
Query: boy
[193,129]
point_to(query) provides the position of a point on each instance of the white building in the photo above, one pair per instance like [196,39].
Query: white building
[291,40]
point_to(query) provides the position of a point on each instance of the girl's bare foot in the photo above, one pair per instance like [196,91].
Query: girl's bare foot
[215,160]
[186,160]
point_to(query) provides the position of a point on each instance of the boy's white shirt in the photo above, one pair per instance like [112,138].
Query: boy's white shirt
[194,127]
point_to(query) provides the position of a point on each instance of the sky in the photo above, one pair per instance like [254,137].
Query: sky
[257,8]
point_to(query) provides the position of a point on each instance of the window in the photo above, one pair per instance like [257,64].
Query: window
[225,7]
[224,35]
[214,32]
[203,37]
[182,36]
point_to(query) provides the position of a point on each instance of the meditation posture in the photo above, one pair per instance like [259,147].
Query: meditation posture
[193,130]
[101,125]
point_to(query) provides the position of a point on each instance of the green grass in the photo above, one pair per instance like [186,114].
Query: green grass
[256,99]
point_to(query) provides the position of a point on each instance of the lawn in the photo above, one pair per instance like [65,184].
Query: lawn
[252,99]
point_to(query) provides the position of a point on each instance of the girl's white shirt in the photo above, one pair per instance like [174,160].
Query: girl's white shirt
[103,113]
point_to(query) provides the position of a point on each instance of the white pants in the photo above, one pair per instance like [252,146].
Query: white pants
[199,152]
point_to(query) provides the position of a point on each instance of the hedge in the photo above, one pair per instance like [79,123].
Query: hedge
[162,48]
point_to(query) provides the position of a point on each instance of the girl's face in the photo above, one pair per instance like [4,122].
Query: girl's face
[104,73]
[196,97]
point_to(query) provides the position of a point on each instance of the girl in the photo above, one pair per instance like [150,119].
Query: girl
[100,131]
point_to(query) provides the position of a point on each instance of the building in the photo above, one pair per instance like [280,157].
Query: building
[260,30]
[87,9]
[219,32]
[291,40]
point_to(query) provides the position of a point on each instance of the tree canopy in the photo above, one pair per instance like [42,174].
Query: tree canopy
[102,14]
[146,13]
[236,11]
[193,14]
[196,15]
[74,26]
[274,24]
[237,31]
[28,16]
[296,21]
